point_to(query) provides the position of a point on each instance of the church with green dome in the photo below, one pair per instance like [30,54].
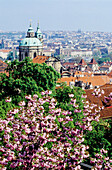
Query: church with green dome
[32,45]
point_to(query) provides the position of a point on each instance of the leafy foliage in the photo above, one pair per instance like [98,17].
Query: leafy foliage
[98,138]
[64,100]
[67,107]
[35,138]
[4,108]
[101,60]
[25,78]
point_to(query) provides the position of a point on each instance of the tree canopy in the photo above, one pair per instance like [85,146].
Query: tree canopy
[25,77]
[64,116]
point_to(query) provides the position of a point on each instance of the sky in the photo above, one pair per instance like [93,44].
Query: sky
[68,15]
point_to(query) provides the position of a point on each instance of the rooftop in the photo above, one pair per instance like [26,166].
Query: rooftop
[40,59]
[107,111]
[82,62]
[3,66]
[32,41]
[95,80]
[93,61]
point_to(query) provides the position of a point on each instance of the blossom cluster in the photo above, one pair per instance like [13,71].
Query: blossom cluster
[108,98]
[98,92]
[40,135]
[101,161]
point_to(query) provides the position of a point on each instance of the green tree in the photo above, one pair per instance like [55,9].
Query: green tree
[25,78]
[101,60]
[99,137]
[64,100]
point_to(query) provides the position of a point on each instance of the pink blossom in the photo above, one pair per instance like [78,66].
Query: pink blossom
[93,160]
[35,96]
[27,130]
[98,166]
[99,95]
[90,128]
[50,92]
[8,99]
[28,97]
[23,136]
[34,128]
[103,151]
[42,93]
[110,160]
[107,158]
[22,103]
[102,91]
[71,95]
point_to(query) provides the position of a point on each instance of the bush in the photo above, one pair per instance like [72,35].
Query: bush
[39,135]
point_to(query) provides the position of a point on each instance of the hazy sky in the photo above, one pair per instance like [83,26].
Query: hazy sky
[87,15]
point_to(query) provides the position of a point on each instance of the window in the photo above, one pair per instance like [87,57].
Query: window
[35,54]
[26,54]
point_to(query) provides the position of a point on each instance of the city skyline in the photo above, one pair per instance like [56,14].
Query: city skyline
[68,15]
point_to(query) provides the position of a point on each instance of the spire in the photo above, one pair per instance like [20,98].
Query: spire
[93,61]
[38,24]
[30,32]
[82,62]
[30,23]
[38,33]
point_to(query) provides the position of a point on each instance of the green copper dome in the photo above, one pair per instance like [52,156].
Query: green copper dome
[30,42]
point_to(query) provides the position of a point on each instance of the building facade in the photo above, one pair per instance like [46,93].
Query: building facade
[31,46]
[93,65]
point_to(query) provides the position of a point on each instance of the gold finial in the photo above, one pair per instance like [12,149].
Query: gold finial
[38,23]
[30,22]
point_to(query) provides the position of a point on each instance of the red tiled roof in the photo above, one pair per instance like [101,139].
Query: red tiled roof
[3,66]
[93,61]
[95,80]
[107,111]
[110,74]
[66,72]
[104,66]
[82,62]
[88,68]
[67,63]
[5,51]
[79,73]
[107,63]
[88,74]
[40,59]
